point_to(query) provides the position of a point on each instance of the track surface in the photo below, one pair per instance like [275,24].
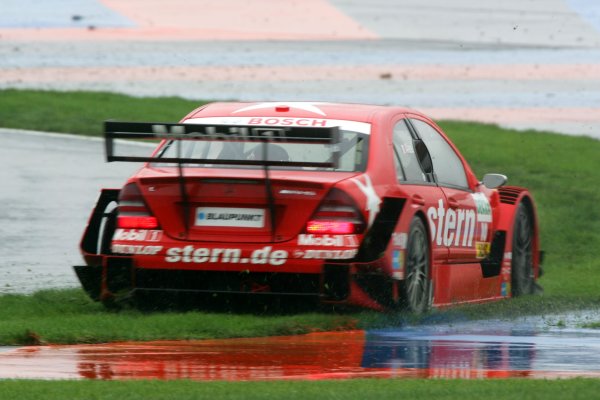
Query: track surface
[533,64]
[48,191]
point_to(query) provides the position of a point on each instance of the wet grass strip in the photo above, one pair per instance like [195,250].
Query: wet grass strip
[69,316]
[439,389]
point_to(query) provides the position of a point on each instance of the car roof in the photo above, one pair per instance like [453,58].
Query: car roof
[297,109]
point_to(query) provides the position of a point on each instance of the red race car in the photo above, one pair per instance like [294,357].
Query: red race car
[344,203]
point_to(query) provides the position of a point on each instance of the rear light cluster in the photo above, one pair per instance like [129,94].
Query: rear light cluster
[337,214]
[132,211]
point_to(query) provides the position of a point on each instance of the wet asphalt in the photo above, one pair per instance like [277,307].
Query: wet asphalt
[49,186]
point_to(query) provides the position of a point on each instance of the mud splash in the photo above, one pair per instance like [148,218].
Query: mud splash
[469,350]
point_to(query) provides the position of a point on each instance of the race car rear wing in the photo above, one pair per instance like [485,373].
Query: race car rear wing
[145,132]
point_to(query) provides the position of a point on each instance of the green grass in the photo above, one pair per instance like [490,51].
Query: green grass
[84,112]
[562,172]
[355,389]
[69,316]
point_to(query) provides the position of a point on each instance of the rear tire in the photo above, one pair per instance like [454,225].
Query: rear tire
[124,297]
[522,274]
[415,289]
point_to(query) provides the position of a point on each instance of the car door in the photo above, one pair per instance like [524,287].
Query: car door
[424,192]
[462,217]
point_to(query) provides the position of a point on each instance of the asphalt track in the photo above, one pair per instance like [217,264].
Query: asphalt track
[48,191]
[533,64]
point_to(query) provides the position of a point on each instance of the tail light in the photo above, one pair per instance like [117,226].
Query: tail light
[132,211]
[337,214]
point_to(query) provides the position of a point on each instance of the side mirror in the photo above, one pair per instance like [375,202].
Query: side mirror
[492,181]
[423,156]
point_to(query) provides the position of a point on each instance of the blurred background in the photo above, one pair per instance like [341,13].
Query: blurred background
[518,63]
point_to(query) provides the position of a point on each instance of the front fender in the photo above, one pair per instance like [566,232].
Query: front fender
[510,198]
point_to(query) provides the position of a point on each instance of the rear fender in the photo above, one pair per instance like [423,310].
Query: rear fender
[90,243]
[376,241]
[93,275]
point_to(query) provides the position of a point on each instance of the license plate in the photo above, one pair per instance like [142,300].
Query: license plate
[230,217]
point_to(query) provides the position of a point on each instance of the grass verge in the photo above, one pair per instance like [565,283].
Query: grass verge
[69,316]
[83,112]
[356,389]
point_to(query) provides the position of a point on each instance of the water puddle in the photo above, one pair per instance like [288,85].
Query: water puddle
[529,348]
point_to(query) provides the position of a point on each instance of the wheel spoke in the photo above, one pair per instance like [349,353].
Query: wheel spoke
[416,283]
[417,267]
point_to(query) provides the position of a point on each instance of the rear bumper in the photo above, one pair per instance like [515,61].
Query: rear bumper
[91,279]
[335,284]
[228,282]
[117,275]
[126,261]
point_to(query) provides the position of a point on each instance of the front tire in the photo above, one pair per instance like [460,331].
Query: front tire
[416,287]
[522,275]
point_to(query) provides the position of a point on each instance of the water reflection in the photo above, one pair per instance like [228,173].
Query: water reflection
[433,352]
[442,358]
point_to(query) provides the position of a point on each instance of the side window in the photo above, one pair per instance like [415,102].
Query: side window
[406,159]
[398,167]
[447,166]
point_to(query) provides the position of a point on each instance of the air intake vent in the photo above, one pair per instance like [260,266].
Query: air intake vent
[509,194]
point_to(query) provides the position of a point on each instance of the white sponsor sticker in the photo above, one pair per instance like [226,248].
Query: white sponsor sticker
[399,239]
[484,210]
[407,149]
[230,217]
[201,255]
[457,227]
[354,126]
[328,240]
[372,200]
[137,235]
[325,254]
[451,227]
[298,192]
[135,249]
